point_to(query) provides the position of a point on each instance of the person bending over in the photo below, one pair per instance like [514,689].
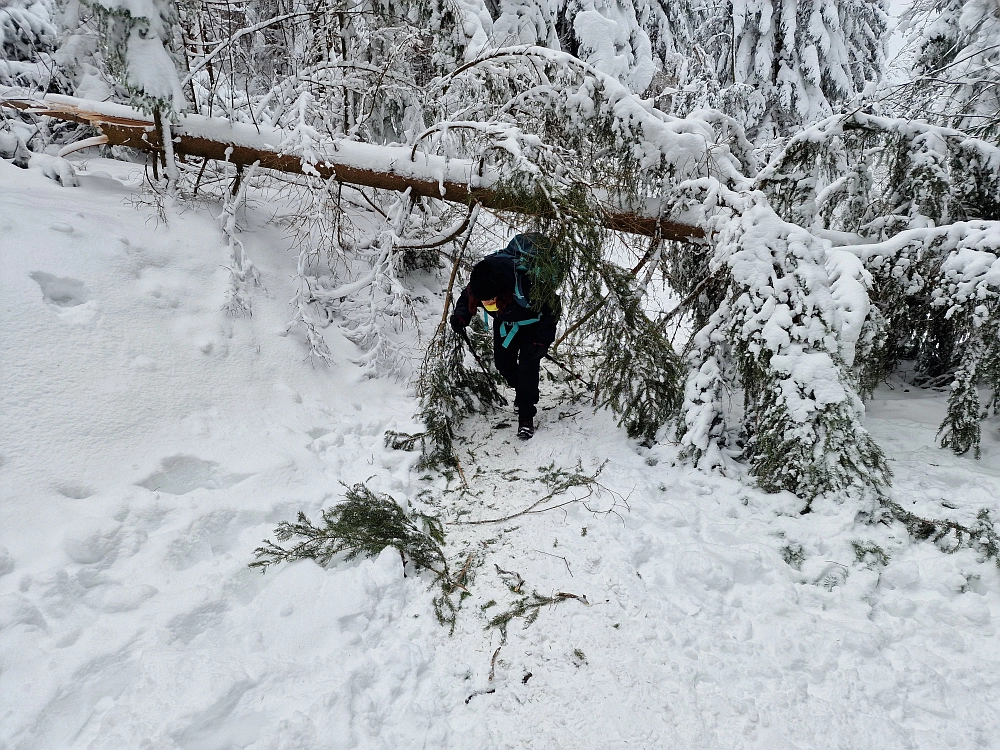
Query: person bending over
[521,334]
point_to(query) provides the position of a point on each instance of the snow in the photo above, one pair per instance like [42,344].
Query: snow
[611,39]
[151,442]
[150,69]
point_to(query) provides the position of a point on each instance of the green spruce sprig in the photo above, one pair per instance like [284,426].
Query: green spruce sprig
[364,524]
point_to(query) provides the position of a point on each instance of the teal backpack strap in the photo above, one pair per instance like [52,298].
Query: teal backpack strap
[517,289]
[486,320]
[509,336]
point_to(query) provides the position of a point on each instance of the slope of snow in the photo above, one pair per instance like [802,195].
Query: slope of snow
[149,443]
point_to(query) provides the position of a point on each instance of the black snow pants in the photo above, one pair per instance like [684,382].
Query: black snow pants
[519,364]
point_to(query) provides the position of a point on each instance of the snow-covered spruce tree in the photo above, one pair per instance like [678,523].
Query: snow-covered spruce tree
[779,331]
[30,60]
[929,197]
[784,335]
[645,44]
[137,42]
[955,67]
[776,65]
[136,46]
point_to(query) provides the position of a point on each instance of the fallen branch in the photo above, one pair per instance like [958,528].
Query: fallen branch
[560,481]
[529,608]
[951,535]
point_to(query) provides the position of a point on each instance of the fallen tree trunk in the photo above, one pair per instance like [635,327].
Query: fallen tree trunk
[362,164]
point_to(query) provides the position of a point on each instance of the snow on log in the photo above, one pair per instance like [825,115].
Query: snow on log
[363,164]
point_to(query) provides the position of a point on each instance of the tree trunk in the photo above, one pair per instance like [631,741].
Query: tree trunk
[367,165]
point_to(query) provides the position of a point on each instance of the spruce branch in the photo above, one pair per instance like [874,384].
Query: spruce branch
[529,608]
[364,524]
[950,536]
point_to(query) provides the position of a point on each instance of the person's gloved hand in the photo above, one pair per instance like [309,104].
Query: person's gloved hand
[457,324]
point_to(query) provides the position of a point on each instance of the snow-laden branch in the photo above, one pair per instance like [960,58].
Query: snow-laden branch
[838,125]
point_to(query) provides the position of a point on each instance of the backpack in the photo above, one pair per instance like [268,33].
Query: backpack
[524,250]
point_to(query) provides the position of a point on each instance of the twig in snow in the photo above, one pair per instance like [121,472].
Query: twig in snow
[493,663]
[529,608]
[559,557]
[560,481]
[479,692]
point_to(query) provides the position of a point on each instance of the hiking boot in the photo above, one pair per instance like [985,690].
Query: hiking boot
[525,427]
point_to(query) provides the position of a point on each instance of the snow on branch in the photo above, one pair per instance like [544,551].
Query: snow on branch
[877,176]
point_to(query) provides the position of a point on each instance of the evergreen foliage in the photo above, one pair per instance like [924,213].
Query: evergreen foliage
[870,553]
[778,336]
[639,374]
[527,607]
[960,430]
[950,536]
[450,389]
[364,524]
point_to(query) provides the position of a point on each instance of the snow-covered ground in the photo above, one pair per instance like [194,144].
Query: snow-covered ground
[148,443]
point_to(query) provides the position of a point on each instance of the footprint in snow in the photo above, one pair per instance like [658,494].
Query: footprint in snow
[180,474]
[74,491]
[59,291]
[114,597]
[18,610]
[188,626]
[93,540]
